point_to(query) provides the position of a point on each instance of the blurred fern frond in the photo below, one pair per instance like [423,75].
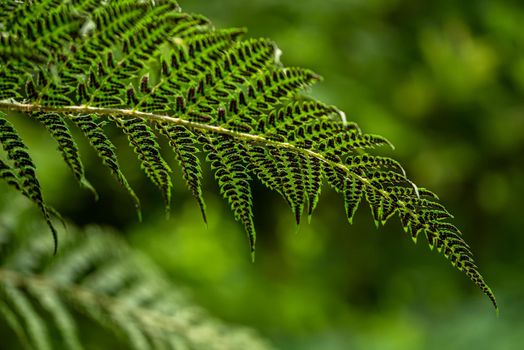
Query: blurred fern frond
[45,299]
[154,71]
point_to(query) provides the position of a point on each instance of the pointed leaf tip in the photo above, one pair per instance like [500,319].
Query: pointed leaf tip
[86,184]
[138,212]
[203,214]
[298,216]
[55,239]
[491,297]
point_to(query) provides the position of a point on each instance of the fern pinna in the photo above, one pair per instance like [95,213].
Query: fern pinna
[154,71]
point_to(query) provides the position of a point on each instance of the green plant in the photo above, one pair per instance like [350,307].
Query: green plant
[144,66]
[97,277]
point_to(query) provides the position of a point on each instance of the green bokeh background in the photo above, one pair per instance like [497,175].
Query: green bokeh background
[444,82]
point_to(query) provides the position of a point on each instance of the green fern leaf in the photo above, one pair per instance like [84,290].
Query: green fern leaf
[8,175]
[293,179]
[181,139]
[227,159]
[143,141]
[99,277]
[144,63]
[14,323]
[25,170]
[353,191]
[33,322]
[67,146]
[105,150]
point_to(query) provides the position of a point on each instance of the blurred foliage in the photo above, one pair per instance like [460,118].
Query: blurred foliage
[96,293]
[444,81]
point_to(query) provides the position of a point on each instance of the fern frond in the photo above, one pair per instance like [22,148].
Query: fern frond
[99,277]
[24,169]
[148,66]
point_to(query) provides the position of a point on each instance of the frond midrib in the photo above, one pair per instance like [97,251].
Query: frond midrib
[85,296]
[132,113]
